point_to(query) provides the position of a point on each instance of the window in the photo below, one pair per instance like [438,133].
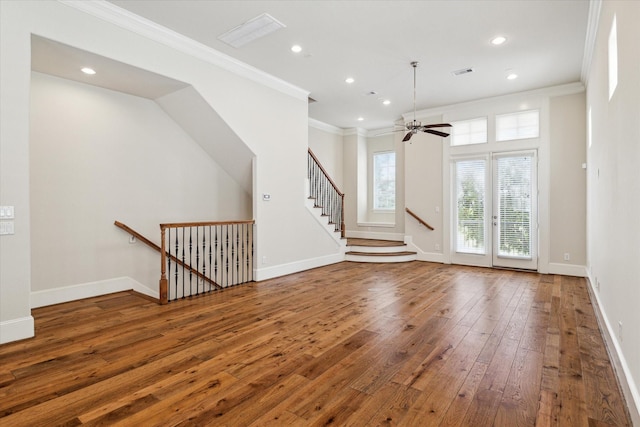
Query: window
[613,58]
[470,206]
[469,132]
[384,181]
[521,125]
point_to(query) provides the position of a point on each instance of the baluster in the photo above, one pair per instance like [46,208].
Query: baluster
[215,253]
[176,272]
[226,264]
[190,263]
[183,261]
[169,264]
[197,260]
[237,266]
[248,256]
[204,259]
[210,259]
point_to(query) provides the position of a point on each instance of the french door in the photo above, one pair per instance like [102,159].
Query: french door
[495,210]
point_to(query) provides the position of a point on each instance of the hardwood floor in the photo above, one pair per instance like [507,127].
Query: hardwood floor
[408,344]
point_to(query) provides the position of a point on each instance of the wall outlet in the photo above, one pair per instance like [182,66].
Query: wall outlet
[567,256]
[437,209]
[132,239]
[437,247]
[597,284]
[264,260]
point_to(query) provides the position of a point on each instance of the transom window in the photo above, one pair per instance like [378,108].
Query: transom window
[467,132]
[384,180]
[521,125]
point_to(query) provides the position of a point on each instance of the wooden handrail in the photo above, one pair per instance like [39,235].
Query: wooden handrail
[419,219]
[335,187]
[205,223]
[159,249]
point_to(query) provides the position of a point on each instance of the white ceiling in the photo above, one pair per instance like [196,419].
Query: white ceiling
[375,41]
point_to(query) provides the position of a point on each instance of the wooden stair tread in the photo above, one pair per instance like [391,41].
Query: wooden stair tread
[403,253]
[374,242]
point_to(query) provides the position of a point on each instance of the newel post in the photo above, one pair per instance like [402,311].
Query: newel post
[164,288]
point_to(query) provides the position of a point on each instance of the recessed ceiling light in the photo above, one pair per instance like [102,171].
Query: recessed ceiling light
[498,40]
[88,70]
[512,76]
[296,48]
[386,102]
[360,119]
[349,80]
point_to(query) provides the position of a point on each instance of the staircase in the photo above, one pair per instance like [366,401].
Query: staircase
[371,250]
[326,203]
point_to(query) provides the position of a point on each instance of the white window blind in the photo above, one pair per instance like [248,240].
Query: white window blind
[470,179]
[521,125]
[513,176]
[384,181]
[469,132]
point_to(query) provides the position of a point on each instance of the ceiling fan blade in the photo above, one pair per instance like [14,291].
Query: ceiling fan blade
[439,125]
[436,132]
[407,136]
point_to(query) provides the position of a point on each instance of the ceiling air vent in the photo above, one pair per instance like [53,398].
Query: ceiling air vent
[462,71]
[251,30]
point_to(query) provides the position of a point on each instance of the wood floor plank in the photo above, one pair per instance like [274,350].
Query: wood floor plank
[406,344]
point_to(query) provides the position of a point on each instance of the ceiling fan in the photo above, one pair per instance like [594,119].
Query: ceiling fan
[414,126]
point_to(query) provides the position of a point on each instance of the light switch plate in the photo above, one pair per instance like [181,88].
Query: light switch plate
[6,227]
[6,212]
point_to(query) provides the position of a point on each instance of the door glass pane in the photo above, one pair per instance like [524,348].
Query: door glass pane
[470,198]
[514,206]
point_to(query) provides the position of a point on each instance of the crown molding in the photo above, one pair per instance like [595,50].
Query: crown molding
[325,127]
[113,14]
[590,39]
[355,131]
[561,90]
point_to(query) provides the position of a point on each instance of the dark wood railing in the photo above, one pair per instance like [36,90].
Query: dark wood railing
[200,257]
[326,194]
[420,220]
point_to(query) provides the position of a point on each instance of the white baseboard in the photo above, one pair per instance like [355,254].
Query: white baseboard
[374,235]
[422,255]
[16,329]
[88,290]
[568,269]
[620,365]
[266,273]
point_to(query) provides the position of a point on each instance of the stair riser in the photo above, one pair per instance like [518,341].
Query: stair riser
[377,249]
[381,259]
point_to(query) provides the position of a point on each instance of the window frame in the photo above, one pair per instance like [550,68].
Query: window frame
[374,204]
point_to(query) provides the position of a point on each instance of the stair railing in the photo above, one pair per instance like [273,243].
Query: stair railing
[200,257]
[420,220]
[326,194]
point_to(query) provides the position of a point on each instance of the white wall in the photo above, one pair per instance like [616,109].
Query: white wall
[268,115]
[613,189]
[97,156]
[423,191]
[568,180]
[326,143]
